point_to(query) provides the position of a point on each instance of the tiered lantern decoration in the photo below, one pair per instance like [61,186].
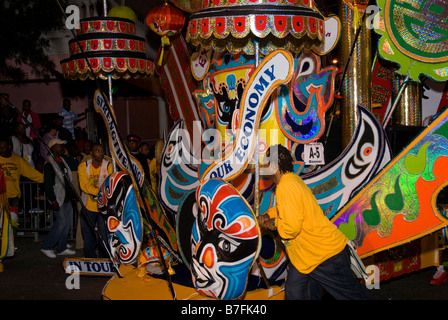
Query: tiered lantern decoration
[235,26]
[112,49]
[166,21]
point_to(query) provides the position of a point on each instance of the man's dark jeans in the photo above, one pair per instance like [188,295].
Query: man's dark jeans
[334,275]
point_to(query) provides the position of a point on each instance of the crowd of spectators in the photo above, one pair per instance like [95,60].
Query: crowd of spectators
[23,130]
[45,143]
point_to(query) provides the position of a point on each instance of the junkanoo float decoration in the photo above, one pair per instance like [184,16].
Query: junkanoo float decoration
[222,241]
[257,66]
[109,47]
[386,211]
[399,203]
[117,200]
[414,36]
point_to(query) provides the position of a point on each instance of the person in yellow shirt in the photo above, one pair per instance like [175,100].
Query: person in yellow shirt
[92,172]
[14,166]
[316,248]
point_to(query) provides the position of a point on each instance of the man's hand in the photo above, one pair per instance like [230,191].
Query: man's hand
[265,222]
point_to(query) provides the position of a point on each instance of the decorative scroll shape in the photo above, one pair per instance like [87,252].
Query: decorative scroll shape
[364,157]
[118,149]
[178,170]
[301,106]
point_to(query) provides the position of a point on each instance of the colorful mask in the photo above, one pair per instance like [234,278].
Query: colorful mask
[225,241]
[118,204]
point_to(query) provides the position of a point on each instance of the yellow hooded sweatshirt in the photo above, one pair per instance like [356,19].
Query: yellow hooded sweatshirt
[309,237]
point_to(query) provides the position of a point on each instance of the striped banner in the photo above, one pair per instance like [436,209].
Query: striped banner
[117,147]
[178,82]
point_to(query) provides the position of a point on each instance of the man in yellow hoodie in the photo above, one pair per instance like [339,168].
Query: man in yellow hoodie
[92,172]
[14,167]
[317,250]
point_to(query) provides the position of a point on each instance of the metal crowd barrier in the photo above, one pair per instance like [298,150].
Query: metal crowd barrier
[35,214]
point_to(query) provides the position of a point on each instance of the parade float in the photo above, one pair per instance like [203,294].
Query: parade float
[245,76]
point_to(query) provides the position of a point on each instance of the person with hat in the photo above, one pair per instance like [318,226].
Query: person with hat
[59,194]
[51,132]
[133,142]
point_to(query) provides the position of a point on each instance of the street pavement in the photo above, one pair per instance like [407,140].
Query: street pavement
[30,275]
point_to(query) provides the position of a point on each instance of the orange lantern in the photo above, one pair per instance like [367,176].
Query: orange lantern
[166,21]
